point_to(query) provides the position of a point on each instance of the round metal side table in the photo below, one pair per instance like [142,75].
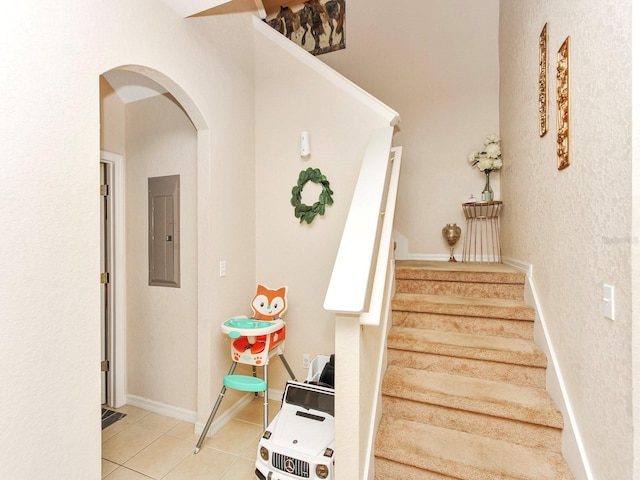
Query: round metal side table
[482,236]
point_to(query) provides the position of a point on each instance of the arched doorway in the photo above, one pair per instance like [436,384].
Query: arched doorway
[150,98]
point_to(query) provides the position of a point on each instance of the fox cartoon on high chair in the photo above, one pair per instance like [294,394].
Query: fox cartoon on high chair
[267,305]
[255,341]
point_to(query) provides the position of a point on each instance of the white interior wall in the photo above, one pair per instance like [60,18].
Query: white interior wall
[574,226]
[292,97]
[635,245]
[162,322]
[436,63]
[112,122]
[51,122]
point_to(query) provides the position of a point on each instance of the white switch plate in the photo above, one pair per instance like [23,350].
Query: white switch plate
[608,302]
[306,360]
[223,268]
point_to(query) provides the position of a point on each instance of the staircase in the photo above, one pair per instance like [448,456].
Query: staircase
[464,392]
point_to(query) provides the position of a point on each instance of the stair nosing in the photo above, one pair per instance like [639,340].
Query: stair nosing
[460,344]
[468,306]
[507,458]
[497,398]
[434,270]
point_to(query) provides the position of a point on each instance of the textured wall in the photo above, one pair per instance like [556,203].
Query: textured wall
[111,119]
[436,63]
[161,321]
[49,261]
[291,97]
[574,226]
[635,246]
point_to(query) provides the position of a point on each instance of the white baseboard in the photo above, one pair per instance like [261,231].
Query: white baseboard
[431,257]
[572,445]
[171,411]
[444,257]
[525,268]
[275,394]
[190,416]
[222,419]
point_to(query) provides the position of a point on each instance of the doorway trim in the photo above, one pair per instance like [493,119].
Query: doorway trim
[116,378]
[205,248]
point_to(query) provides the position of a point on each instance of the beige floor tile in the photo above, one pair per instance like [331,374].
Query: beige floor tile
[157,422]
[149,445]
[241,469]
[185,431]
[254,411]
[160,457]
[209,464]
[134,414]
[123,473]
[130,441]
[250,450]
[234,437]
[114,428]
[108,467]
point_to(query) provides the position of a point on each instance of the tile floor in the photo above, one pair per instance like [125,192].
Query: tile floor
[145,445]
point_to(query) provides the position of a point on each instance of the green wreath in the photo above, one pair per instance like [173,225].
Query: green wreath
[304,212]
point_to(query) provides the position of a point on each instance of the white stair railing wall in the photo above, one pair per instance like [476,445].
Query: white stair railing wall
[359,293]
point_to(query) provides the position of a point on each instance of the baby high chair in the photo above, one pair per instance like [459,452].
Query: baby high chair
[256,341]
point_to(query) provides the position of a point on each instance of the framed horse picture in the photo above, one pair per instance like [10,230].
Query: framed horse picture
[318,26]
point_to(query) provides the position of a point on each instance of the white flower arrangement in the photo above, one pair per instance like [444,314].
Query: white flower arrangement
[489,158]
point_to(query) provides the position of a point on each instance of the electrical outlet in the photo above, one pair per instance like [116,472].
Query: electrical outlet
[223,268]
[306,360]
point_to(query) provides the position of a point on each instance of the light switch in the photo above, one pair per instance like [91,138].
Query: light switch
[608,302]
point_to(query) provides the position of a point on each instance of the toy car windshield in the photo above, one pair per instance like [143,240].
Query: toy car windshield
[311,399]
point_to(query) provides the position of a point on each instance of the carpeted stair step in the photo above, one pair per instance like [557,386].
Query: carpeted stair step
[460,289]
[513,360]
[464,397]
[497,399]
[448,278]
[522,433]
[512,328]
[389,470]
[471,307]
[467,345]
[497,371]
[463,455]
[457,272]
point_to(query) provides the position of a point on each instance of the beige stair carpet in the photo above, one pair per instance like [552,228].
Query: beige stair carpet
[464,392]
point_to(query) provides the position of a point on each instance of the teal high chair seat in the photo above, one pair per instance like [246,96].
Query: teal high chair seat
[245,383]
[274,345]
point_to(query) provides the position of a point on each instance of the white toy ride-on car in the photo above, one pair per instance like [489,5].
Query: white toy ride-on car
[299,442]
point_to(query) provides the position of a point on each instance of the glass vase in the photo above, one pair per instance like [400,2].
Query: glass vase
[487,193]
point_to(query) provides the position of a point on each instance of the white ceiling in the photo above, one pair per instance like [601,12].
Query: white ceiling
[186,8]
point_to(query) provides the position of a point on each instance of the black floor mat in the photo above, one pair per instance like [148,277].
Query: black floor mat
[109,417]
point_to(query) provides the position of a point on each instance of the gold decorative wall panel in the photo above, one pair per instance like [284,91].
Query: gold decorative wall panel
[542,81]
[563,97]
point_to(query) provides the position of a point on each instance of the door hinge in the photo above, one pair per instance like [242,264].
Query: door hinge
[104,190]
[104,277]
[104,366]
